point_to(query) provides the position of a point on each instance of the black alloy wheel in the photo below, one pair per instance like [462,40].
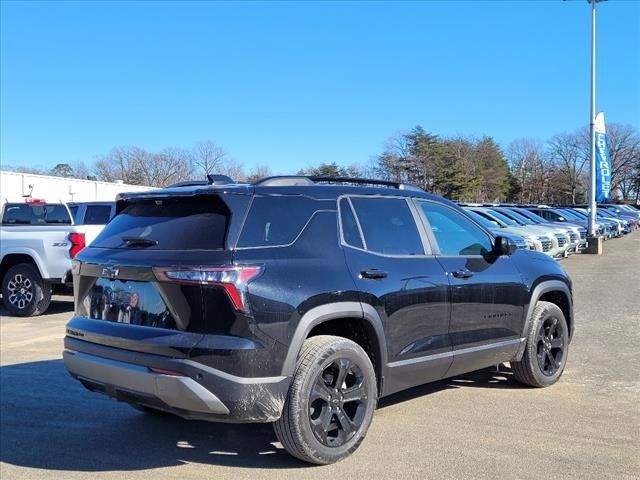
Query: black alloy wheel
[550,346]
[546,349]
[331,400]
[338,402]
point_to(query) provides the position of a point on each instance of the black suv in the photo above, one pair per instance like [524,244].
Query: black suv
[301,301]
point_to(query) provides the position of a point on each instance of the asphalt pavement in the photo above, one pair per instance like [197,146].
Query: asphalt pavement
[482,425]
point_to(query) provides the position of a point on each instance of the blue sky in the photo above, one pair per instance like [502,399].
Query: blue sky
[294,84]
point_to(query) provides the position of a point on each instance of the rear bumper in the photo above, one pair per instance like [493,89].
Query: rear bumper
[180,386]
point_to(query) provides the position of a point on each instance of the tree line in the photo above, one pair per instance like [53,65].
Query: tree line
[459,168]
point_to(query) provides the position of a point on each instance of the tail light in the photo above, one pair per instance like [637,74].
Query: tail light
[233,279]
[77,243]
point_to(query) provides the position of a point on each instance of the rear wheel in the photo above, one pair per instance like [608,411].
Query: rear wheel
[330,402]
[24,292]
[545,354]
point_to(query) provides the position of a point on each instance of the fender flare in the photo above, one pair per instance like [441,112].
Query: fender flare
[332,311]
[540,289]
[29,252]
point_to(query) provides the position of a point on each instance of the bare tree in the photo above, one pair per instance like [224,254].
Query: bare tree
[258,172]
[80,170]
[169,166]
[528,163]
[122,163]
[207,157]
[567,156]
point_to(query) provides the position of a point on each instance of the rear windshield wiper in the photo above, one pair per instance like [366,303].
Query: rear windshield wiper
[139,242]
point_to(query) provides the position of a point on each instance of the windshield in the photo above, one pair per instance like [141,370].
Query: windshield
[569,214]
[486,223]
[504,218]
[518,217]
[530,215]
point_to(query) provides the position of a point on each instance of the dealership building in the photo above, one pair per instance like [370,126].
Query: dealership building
[15,186]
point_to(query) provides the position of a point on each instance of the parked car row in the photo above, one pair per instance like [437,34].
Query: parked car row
[39,240]
[554,230]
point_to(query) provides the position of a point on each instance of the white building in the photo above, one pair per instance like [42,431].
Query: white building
[15,187]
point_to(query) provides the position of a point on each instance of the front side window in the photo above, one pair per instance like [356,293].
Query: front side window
[388,226]
[456,234]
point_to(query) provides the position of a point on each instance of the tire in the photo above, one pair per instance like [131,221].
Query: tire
[311,427]
[547,348]
[24,292]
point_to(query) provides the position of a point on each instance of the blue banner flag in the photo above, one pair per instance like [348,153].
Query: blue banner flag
[603,162]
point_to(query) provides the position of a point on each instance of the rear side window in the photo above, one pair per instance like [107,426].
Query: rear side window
[276,220]
[26,214]
[198,223]
[97,215]
[388,226]
[350,231]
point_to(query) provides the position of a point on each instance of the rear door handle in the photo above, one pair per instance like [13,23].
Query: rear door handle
[373,273]
[463,273]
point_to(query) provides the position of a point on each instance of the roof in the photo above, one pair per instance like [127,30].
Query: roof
[314,187]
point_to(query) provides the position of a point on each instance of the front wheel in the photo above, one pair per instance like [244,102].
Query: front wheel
[545,354]
[330,402]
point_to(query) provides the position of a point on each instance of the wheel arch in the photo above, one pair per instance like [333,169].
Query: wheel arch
[12,259]
[553,291]
[358,322]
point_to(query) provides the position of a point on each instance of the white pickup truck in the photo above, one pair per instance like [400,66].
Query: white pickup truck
[38,240]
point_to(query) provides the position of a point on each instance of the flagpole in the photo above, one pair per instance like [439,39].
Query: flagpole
[592,186]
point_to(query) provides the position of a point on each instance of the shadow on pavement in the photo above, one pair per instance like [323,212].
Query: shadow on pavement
[48,420]
[485,378]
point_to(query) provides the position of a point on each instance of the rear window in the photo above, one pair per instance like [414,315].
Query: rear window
[276,220]
[173,224]
[40,214]
[97,215]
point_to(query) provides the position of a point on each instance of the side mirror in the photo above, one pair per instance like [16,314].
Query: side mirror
[503,246]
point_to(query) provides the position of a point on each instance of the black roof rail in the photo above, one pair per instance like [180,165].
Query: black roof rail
[212,179]
[188,183]
[293,180]
[284,181]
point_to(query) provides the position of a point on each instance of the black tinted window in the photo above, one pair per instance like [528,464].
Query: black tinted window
[350,231]
[177,224]
[388,226]
[97,215]
[455,233]
[276,220]
[74,212]
[38,214]
[16,214]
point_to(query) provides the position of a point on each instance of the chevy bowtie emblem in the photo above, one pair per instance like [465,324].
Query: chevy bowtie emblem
[110,272]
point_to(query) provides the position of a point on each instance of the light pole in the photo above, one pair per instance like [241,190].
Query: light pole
[591,227]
